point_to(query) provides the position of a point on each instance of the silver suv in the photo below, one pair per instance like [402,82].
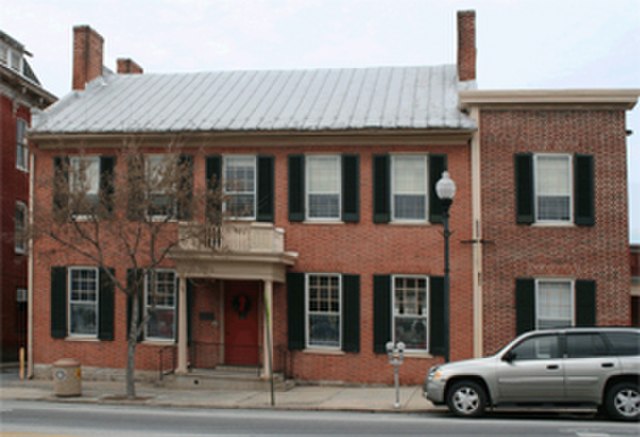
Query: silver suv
[574,366]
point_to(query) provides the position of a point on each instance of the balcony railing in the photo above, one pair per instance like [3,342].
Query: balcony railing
[232,237]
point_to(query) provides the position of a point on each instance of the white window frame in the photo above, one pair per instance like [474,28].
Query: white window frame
[22,147]
[147,306]
[425,315]
[149,191]
[22,295]
[20,244]
[308,193]
[572,298]
[70,302]
[229,193]
[425,159]
[535,188]
[308,313]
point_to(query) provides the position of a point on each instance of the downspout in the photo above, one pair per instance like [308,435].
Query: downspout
[477,237]
[30,278]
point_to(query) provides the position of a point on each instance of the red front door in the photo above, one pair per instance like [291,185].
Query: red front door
[241,323]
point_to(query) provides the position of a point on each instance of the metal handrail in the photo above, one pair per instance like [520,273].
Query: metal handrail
[161,361]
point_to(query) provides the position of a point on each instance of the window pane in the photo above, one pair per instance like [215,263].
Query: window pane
[83,319]
[323,174]
[585,345]
[84,176]
[537,348]
[83,297]
[324,330]
[554,208]
[624,343]
[555,304]
[410,312]
[324,205]
[409,207]
[409,174]
[161,323]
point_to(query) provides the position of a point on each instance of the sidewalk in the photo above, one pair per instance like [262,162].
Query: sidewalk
[311,398]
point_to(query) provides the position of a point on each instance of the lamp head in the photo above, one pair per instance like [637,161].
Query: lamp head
[389,346]
[445,187]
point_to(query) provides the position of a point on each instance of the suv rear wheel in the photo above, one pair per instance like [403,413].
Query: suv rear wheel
[467,399]
[623,401]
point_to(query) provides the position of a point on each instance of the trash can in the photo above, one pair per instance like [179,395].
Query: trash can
[67,377]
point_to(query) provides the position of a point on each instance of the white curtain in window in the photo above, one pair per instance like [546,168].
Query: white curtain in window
[324,174]
[555,305]
[409,174]
[553,176]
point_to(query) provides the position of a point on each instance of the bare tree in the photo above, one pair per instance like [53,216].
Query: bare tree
[100,214]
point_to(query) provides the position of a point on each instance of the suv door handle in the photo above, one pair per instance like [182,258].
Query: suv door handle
[607,364]
[552,367]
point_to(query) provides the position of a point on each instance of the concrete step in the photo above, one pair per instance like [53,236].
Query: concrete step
[226,378]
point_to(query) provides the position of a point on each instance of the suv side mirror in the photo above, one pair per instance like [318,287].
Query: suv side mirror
[509,357]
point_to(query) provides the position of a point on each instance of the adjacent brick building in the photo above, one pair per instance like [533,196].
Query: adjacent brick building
[339,236]
[20,93]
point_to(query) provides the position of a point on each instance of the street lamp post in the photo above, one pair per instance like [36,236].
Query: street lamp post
[446,190]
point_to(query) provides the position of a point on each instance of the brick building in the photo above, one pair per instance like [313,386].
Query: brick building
[20,93]
[340,234]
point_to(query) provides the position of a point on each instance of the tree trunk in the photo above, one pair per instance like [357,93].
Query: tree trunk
[131,346]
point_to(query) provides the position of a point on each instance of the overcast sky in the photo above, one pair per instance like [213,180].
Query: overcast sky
[521,43]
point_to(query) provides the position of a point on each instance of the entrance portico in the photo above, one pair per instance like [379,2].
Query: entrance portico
[247,258]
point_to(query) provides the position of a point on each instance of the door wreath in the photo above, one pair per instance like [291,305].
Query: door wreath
[242,305]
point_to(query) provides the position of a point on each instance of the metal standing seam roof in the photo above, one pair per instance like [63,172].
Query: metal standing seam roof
[289,100]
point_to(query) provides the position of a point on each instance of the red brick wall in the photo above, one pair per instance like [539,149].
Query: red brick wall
[14,186]
[599,252]
[363,248]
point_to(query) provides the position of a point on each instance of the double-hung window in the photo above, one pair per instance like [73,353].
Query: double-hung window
[409,187]
[83,301]
[84,184]
[410,311]
[323,187]
[240,186]
[160,301]
[20,243]
[323,297]
[22,151]
[553,188]
[554,304]
[160,180]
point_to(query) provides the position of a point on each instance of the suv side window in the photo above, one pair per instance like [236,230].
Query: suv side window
[543,347]
[623,343]
[585,345]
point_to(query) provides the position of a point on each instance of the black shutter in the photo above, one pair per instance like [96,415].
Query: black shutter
[296,188]
[61,187]
[295,310]
[351,188]
[58,302]
[525,305]
[185,188]
[106,305]
[107,182]
[351,313]
[437,165]
[381,313]
[135,284]
[437,317]
[266,189]
[213,181]
[524,188]
[381,189]
[584,190]
[585,303]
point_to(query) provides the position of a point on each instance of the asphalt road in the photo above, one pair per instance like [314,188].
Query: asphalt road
[31,419]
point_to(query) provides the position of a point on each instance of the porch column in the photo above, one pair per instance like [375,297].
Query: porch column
[268,330]
[182,326]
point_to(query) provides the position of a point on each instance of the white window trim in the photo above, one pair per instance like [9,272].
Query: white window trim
[146,306]
[230,193]
[426,316]
[394,219]
[22,248]
[570,281]
[307,313]
[97,308]
[25,146]
[338,158]
[538,221]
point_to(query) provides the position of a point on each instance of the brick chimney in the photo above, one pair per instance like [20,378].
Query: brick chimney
[128,66]
[466,45]
[87,56]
